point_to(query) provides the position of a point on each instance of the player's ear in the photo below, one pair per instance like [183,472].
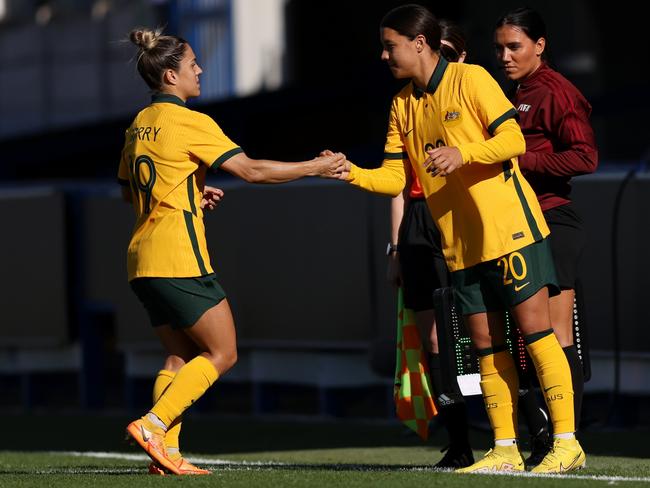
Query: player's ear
[170,77]
[420,42]
[540,45]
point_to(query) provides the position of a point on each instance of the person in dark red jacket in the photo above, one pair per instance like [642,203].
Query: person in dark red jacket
[560,144]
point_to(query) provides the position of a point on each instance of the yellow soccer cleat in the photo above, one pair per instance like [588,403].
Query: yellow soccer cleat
[565,455]
[153,443]
[497,459]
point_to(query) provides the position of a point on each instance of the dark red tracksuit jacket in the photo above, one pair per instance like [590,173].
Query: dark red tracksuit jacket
[560,143]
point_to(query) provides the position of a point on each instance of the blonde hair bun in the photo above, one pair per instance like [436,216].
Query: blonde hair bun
[145,39]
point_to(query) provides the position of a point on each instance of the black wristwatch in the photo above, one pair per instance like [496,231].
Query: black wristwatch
[391,248]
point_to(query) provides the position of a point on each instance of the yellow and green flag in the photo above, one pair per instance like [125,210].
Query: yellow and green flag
[412,391]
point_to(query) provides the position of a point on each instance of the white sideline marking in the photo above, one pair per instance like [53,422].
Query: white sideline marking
[217,462]
[90,471]
[144,457]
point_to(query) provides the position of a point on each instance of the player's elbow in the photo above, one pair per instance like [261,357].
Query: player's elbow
[519,143]
[253,175]
[397,185]
[252,170]
[388,187]
[395,191]
[592,161]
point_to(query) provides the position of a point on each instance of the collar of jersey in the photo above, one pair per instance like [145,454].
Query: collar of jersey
[538,72]
[166,98]
[435,78]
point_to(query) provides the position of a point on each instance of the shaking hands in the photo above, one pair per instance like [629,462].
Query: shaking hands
[339,168]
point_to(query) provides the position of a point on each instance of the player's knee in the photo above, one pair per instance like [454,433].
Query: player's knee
[232,358]
[226,360]
[174,362]
[565,341]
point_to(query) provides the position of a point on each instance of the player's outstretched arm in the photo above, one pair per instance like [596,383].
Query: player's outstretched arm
[389,179]
[268,171]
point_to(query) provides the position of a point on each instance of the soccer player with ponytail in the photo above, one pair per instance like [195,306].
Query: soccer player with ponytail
[167,152]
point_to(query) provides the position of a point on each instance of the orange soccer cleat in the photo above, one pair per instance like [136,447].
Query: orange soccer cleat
[153,443]
[184,466]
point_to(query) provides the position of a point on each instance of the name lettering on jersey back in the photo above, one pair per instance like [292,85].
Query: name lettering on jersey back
[144,133]
[523,107]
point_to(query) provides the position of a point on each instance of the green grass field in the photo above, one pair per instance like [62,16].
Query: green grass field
[82,450]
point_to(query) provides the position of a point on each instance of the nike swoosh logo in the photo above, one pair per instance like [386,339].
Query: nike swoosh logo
[519,287]
[406,134]
[571,464]
[550,387]
[145,434]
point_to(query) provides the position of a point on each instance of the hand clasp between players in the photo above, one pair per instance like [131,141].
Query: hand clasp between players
[342,170]
[443,160]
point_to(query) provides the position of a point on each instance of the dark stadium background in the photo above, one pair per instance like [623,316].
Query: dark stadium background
[336,95]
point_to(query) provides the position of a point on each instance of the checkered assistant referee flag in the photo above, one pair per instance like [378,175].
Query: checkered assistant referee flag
[412,391]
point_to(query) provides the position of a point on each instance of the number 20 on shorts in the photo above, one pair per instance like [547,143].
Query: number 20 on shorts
[514,266]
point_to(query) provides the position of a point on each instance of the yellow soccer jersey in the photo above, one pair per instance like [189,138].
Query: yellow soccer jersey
[485,209]
[167,152]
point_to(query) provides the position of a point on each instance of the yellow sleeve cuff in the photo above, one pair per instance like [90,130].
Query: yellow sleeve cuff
[389,179]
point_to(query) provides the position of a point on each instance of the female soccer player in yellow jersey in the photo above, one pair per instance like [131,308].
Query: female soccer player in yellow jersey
[492,228]
[166,155]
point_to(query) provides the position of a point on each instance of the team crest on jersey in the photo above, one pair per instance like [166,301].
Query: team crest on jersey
[452,116]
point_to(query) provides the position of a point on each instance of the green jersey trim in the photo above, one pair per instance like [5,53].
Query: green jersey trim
[225,157]
[532,223]
[510,114]
[436,77]
[507,171]
[190,193]
[189,223]
[400,155]
[167,98]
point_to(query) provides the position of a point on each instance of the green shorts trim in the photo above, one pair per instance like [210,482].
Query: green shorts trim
[179,302]
[506,281]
